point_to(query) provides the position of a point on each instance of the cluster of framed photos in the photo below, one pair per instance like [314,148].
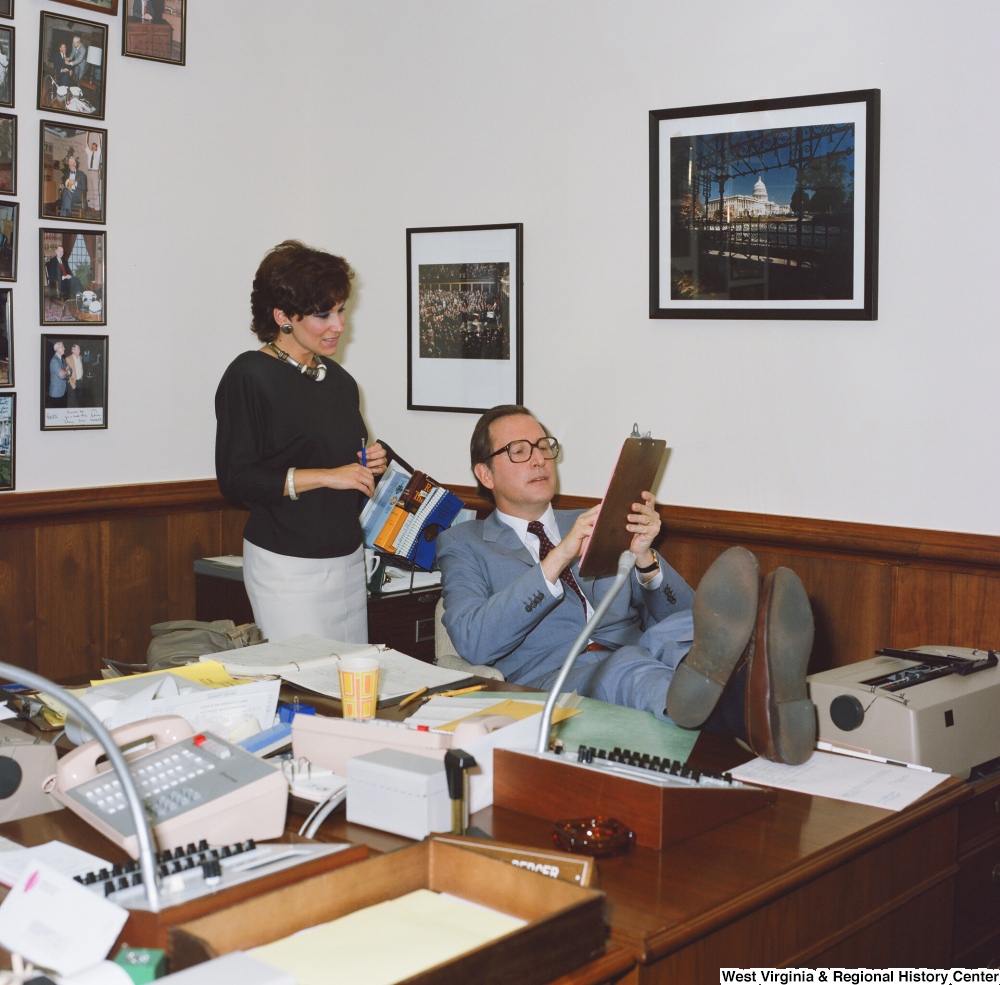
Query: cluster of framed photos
[72,191]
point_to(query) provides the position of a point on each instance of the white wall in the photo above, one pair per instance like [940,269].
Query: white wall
[455,112]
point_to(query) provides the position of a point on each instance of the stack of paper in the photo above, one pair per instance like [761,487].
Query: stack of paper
[311,663]
[388,942]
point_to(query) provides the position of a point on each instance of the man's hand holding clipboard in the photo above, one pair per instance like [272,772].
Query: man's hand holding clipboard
[626,518]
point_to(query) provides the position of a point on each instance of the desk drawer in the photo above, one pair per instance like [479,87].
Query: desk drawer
[979,818]
[405,622]
[977,897]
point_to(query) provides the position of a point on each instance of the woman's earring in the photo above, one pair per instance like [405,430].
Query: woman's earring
[287,329]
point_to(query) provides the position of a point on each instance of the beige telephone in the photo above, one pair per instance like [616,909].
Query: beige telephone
[193,787]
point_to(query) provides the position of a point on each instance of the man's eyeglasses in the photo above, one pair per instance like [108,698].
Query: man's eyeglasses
[520,450]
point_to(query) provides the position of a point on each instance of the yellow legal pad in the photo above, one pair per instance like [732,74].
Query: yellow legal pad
[516,710]
[388,942]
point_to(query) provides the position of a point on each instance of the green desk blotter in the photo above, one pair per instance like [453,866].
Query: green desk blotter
[605,726]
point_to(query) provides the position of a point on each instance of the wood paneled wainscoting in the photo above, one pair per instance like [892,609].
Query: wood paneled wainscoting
[85,572]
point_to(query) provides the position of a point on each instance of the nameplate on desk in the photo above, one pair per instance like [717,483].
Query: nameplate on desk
[580,870]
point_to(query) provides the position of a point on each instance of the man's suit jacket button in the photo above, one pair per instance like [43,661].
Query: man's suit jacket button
[671,598]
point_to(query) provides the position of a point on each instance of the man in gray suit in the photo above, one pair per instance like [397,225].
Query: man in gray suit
[730,657]
[58,375]
[77,60]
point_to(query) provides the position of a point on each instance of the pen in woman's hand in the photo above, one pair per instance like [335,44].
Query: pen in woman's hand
[364,454]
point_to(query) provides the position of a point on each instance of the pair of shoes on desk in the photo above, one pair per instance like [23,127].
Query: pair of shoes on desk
[769,627]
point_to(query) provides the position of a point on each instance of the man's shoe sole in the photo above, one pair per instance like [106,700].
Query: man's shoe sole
[724,611]
[780,718]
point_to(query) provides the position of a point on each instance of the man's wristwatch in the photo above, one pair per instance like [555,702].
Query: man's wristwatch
[649,567]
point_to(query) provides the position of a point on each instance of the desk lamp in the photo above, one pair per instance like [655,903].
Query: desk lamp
[626,562]
[147,863]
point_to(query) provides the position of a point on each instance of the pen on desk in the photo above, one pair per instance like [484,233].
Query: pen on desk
[464,690]
[412,697]
[837,751]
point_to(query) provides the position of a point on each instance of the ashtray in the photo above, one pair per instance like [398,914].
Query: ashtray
[601,837]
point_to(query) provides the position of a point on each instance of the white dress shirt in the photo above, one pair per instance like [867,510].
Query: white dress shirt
[531,543]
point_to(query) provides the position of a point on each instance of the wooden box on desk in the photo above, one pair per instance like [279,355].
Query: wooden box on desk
[660,816]
[565,927]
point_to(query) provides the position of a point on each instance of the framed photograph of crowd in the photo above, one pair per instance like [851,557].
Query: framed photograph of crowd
[72,58]
[99,6]
[8,406]
[6,338]
[464,313]
[8,154]
[71,185]
[72,277]
[9,224]
[74,383]
[155,29]
[766,209]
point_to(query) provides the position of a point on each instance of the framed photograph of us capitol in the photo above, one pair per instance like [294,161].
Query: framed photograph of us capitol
[74,382]
[464,317]
[765,209]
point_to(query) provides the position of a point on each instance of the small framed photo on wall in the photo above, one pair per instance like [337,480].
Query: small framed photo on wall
[8,154]
[155,29]
[6,338]
[6,66]
[464,332]
[73,277]
[74,382]
[8,405]
[71,184]
[9,223]
[7,9]
[72,56]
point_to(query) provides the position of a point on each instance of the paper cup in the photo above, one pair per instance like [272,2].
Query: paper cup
[358,686]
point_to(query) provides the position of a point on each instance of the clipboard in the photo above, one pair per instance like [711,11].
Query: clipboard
[634,472]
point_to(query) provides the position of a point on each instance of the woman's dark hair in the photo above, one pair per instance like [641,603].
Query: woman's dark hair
[481,445]
[299,281]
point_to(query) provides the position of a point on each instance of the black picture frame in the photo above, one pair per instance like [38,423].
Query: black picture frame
[811,253]
[109,7]
[58,141]
[8,441]
[76,89]
[81,296]
[10,224]
[7,52]
[6,337]
[89,411]
[149,39]
[8,154]
[7,9]
[464,324]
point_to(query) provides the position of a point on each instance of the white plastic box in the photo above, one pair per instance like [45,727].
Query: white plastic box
[398,792]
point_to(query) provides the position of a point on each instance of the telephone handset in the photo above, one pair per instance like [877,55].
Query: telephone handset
[193,787]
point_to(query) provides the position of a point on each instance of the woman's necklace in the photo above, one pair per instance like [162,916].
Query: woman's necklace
[318,373]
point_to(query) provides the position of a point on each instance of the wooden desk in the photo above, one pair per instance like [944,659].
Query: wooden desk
[807,882]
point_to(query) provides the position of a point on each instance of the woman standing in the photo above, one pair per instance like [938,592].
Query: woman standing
[289,443]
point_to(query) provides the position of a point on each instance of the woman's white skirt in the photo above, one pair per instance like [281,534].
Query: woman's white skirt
[323,597]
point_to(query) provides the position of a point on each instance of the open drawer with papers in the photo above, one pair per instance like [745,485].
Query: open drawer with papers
[561,925]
